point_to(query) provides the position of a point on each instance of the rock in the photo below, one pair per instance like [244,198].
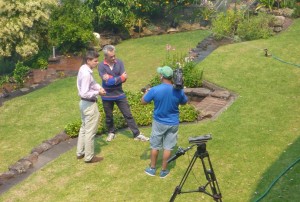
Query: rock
[21,166]
[278,21]
[172,30]
[97,35]
[223,94]
[7,175]
[277,29]
[24,90]
[33,157]
[43,147]
[287,12]
[199,92]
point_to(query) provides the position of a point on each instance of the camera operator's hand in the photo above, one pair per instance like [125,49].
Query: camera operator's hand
[102,91]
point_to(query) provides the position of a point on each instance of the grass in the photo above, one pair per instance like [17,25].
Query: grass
[253,141]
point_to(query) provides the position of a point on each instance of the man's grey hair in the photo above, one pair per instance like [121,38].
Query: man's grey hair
[108,48]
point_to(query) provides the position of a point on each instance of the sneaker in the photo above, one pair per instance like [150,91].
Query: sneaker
[141,137]
[164,173]
[110,137]
[150,171]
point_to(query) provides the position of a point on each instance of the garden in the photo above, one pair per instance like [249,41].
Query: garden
[253,141]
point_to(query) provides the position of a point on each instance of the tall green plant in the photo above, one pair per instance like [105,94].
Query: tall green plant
[23,26]
[20,72]
[71,27]
[225,24]
[257,27]
[192,75]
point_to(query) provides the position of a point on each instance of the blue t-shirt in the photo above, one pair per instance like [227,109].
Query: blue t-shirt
[166,101]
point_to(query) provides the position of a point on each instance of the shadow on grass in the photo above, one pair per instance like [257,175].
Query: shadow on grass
[281,182]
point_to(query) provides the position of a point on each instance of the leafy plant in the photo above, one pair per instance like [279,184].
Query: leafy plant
[192,75]
[141,113]
[42,63]
[72,129]
[4,79]
[265,3]
[20,72]
[256,27]
[296,13]
[70,26]
[225,24]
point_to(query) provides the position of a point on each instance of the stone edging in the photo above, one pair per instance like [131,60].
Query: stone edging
[25,163]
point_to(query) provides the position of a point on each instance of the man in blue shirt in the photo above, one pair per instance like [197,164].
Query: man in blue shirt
[112,73]
[165,118]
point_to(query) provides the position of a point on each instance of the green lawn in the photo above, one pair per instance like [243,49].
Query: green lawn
[253,141]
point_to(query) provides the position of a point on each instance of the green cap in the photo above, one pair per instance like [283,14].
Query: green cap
[165,71]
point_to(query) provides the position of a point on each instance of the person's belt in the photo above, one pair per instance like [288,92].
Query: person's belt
[89,100]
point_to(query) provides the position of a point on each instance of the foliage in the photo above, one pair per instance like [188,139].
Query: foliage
[39,61]
[266,3]
[70,26]
[141,113]
[6,65]
[296,13]
[119,15]
[20,72]
[4,79]
[225,24]
[257,27]
[114,13]
[192,75]
[204,11]
[72,129]
[23,26]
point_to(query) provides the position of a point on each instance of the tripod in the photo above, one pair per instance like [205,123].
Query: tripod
[208,171]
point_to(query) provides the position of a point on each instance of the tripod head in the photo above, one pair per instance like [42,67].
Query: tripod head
[199,141]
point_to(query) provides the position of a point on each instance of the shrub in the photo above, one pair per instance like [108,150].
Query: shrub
[4,79]
[192,75]
[72,129]
[256,27]
[70,26]
[296,13]
[141,113]
[20,72]
[225,24]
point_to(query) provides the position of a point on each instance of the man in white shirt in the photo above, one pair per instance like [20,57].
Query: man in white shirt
[88,90]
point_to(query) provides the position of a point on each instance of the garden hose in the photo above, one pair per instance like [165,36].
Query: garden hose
[273,183]
[276,58]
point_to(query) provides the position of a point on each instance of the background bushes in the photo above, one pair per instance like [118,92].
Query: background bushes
[257,27]
[141,113]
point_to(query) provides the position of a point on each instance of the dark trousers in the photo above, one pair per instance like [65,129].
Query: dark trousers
[125,110]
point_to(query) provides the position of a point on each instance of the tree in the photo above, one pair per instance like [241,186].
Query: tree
[71,26]
[23,26]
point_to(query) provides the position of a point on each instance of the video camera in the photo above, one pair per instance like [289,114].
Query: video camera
[199,140]
[144,89]
[178,78]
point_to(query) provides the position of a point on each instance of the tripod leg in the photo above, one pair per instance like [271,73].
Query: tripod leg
[211,177]
[186,174]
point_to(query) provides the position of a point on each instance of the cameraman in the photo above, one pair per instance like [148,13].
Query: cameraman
[165,118]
